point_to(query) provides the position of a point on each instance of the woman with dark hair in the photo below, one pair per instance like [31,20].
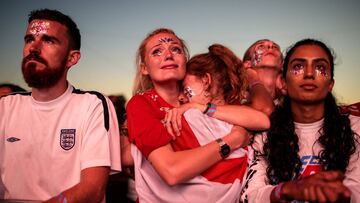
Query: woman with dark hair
[311,151]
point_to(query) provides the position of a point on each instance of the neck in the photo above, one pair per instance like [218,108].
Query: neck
[169,92]
[268,76]
[307,113]
[50,93]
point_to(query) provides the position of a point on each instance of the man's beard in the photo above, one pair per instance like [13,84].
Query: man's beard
[45,78]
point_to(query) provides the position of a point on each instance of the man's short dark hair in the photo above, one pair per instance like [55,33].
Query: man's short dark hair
[54,15]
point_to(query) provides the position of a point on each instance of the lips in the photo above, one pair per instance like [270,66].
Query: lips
[169,66]
[308,86]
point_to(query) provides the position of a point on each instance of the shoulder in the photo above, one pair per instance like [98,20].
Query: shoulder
[355,123]
[92,95]
[144,99]
[13,98]
[95,101]
[352,109]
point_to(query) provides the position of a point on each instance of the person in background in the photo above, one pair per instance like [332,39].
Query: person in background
[311,152]
[57,143]
[7,88]
[263,61]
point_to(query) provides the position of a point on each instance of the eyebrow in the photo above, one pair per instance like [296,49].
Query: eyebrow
[43,36]
[159,44]
[304,60]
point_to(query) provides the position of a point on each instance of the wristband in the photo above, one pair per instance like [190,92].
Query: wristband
[210,112]
[207,107]
[62,199]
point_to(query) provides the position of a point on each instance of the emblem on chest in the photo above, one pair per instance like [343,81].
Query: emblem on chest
[67,138]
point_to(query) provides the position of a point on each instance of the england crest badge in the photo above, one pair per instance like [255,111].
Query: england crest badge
[67,138]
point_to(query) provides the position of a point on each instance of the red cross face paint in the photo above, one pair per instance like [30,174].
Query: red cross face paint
[38,27]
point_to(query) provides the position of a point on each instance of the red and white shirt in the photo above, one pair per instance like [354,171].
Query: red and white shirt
[220,183]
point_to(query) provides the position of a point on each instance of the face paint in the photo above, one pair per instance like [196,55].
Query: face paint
[257,57]
[189,92]
[166,40]
[321,71]
[300,71]
[39,27]
[297,72]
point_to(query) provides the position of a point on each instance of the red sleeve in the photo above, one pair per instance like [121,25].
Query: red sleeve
[144,124]
[353,109]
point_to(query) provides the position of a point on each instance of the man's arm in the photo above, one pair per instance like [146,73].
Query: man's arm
[90,189]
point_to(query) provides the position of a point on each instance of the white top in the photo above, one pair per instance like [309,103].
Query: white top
[45,145]
[256,187]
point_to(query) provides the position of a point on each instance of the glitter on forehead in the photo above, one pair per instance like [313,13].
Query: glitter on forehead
[189,92]
[257,57]
[39,27]
[166,40]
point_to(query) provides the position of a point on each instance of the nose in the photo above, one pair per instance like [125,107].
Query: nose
[35,47]
[168,55]
[309,72]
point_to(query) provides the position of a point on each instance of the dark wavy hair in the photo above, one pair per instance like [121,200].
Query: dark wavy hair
[336,136]
[54,15]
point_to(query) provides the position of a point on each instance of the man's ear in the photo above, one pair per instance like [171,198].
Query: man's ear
[144,69]
[73,58]
[247,64]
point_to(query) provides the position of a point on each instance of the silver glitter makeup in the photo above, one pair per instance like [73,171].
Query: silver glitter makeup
[257,57]
[39,27]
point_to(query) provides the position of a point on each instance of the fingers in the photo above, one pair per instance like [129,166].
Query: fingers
[323,187]
[167,124]
[174,122]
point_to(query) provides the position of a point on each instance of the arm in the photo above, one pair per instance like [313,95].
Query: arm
[176,167]
[260,99]
[324,186]
[90,189]
[126,158]
[241,115]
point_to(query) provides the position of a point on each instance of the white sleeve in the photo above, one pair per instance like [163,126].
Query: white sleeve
[101,146]
[352,175]
[256,187]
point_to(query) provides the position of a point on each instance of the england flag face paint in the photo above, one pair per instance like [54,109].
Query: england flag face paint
[189,92]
